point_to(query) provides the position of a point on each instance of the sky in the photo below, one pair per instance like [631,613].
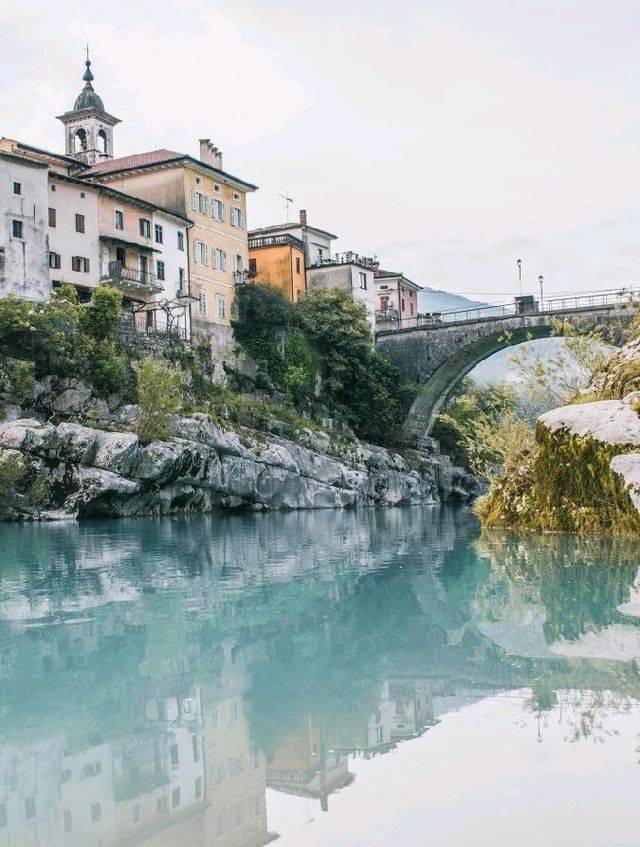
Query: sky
[447,137]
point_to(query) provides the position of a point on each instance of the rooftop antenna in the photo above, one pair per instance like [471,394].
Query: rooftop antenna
[287,202]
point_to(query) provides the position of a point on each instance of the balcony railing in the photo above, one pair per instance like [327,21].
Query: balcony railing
[242,277]
[347,258]
[276,241]
[131,279]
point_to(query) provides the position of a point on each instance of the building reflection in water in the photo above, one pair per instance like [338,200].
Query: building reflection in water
[157,677]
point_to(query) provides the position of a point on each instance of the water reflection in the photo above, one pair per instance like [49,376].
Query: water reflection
[162,679]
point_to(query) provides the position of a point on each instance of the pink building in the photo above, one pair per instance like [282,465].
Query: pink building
[397,300]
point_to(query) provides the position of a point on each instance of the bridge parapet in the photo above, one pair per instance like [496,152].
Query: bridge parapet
[440,356]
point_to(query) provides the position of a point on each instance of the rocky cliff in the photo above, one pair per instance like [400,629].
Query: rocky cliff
[81,470]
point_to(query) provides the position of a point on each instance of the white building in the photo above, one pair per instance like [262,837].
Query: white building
[349,272]
[24,266]
[74,241]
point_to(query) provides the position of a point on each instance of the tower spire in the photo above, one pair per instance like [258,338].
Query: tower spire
[87,76]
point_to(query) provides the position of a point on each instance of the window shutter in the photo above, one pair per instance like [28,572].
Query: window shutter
[205,204]
[223,256]
[194,201]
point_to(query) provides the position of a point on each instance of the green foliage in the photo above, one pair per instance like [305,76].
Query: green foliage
[20,486]
[561,377]
[17,379]
[471,428]
[63,337]
[159,396]
[325,334]
[565,485]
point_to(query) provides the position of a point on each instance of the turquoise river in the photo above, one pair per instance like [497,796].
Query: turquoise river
[353,679]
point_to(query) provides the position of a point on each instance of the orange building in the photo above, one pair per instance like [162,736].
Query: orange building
[278,261]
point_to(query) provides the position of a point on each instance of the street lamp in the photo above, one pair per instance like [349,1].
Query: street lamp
[541,280]
[519,264]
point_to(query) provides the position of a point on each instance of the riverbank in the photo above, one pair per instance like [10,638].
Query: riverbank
[67,469]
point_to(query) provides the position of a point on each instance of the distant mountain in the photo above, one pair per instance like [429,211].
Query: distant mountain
[432,300]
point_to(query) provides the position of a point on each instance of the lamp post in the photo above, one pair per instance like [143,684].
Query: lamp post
[541,280]
[519,264]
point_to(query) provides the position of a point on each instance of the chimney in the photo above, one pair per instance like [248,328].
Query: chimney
[303,217]
[209,153]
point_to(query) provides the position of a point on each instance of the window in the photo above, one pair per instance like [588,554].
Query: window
[221,307]
[236,196]
[233,714]
[363,280]
[54,261]
[214,719]
[68,821]
[217,187]
[161,805]
[411,306]
[157,229]
[198,180]
[175,798]
[80,264]
[135,814]
[30,807]
[180,240]
[102,141]
[145,228]
[403,304]
[202,303]
[119,219]
[198,788]
[160,269]
[96,812]
[181,279]
[219,259]
[297,264]
[200,252]
[173,755]
[217,209]
[79,223]
[195,747]
[253,267]
[17,229]
[236,766]
[52,217]
[320,252]
[379,735]
[80,141]
[218,773]
[220,824]
[53,188]
[237,218]
[199,202]
[93,769]
[236,814]
[17,188]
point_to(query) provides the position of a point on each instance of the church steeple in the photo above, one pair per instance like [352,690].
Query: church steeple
[88,127]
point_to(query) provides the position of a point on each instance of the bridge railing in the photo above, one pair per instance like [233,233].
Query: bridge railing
[559,303]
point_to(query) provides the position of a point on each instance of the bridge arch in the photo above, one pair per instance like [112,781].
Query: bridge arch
[439,386]
[438,357]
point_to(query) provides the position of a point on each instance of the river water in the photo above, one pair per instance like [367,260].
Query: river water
[349,679]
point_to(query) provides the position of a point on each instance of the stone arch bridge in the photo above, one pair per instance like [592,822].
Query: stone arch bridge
[438,354]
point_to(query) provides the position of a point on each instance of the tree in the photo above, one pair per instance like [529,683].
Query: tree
[159,397]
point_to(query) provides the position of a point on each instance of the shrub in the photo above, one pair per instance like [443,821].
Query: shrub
[159,397]
[20,487]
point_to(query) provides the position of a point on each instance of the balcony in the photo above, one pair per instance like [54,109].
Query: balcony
[131,280]
[347,258]
[276,241]
[242,277]
[385,316]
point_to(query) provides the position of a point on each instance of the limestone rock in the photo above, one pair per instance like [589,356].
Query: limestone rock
[628,467]
[607,421]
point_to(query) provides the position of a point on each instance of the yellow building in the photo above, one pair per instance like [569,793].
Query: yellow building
[214,201]
[279,261]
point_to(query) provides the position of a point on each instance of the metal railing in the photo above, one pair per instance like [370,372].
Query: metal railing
[608,299]
[132,279]
[275,241]
[346,258]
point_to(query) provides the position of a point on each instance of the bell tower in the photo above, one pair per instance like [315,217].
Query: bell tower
[88,127]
